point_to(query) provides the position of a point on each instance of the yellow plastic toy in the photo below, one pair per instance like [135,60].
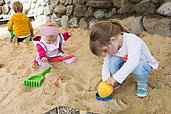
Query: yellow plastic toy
[104,89]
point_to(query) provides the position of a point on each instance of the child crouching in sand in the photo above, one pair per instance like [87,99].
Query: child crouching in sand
[125,54]
[49,46]
[19,24]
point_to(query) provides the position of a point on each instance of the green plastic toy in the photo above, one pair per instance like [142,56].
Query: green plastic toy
[36,80]
[11,35]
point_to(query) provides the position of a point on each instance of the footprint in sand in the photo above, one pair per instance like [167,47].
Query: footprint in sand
[26,72]
[1,65]
[21,66]
[4,97]
[50,101]
[8,70]
[24,90]
[73,87]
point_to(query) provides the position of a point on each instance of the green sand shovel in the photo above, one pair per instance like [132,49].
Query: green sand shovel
[36,80]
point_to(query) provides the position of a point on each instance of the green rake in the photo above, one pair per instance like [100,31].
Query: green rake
[36,80]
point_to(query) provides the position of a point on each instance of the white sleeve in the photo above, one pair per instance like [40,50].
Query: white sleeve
[61,39]
[105,68]
[134,50]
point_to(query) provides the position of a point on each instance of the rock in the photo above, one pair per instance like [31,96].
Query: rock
[99,4]
[73,22]
[47,10]
[126,8]
[134,24]
[79,1]
[64,20]
[82,23]
[135,0]
[89,12]
[119,3]
[99,14]
[61,9]
[165,9]
[80,10]
[69,9]
[157,25]
[55,18]
[145,7]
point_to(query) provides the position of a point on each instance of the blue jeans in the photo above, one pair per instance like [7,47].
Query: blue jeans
[140,73]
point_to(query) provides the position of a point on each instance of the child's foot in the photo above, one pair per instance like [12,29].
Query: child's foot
[11,39]
[71,60]
[116,85]
[142,90]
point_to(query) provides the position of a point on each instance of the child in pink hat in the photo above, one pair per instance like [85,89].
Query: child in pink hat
[49,45]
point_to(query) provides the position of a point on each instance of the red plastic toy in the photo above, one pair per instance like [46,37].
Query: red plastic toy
[60,58]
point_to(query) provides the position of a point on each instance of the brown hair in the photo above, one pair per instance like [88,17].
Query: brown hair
[17,7]
[101,32]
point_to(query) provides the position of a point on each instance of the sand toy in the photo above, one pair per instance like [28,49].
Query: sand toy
[60,58]
[36,80]
[104,98]
[105,91]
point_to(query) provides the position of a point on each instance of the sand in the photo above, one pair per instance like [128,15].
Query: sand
[79,84]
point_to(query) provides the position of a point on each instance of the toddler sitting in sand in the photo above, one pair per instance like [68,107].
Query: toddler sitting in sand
[49,46]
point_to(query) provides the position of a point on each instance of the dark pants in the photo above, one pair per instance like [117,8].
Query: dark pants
[19,39]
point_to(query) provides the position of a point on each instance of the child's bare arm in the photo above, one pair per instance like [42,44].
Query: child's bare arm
[68,34]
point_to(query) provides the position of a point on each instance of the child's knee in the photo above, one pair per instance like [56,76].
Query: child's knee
[142,69]
[114,60]
[115,63]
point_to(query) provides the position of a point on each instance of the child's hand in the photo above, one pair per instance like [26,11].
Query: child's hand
[44,59]
[111,80]
[71,32]
[32,35]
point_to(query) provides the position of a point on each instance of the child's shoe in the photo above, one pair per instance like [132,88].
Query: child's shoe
[142,90]
[116,85]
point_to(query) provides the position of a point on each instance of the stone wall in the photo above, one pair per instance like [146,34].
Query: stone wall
[153,16]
